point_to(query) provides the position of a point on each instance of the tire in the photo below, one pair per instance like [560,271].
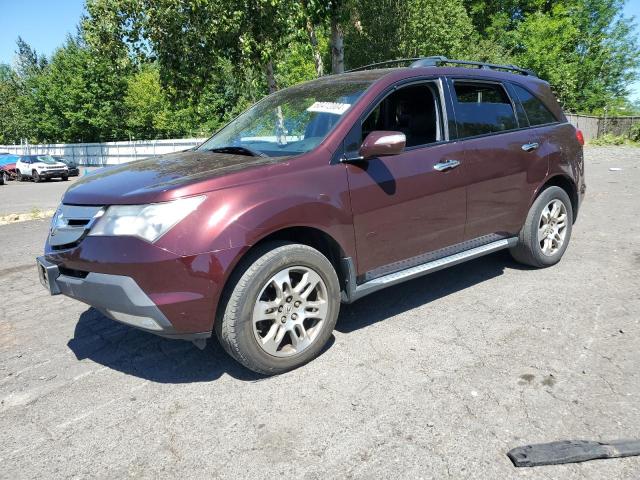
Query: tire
[242,332]
[35,176]
[532,248]
[18,176]
[2,178]
[65,178]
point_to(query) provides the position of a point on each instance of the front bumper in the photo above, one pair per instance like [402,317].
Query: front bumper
[54,174]
[118,297]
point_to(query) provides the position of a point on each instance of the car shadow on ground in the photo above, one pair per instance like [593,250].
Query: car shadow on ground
[409,295]
[144,355]
[161,360]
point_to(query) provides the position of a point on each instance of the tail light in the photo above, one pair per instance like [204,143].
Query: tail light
[579,136]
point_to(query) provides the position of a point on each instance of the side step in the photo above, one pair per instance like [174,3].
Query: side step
[356,292]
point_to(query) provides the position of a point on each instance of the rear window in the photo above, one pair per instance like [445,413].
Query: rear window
[536,112]
[483,108]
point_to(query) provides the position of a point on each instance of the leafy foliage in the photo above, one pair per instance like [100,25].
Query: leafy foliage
[167,68]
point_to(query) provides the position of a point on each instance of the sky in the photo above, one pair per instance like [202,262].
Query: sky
[44,24]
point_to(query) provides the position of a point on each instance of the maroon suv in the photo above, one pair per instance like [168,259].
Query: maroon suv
[320,194]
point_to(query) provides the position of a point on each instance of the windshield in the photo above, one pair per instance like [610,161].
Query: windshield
[288,122]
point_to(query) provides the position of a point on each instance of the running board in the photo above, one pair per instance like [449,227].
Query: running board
[354,292]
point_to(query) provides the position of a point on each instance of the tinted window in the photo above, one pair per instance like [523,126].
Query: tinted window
[412,110]
[482,108]
[536,112]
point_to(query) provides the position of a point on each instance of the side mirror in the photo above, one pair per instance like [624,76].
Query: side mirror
[381,143]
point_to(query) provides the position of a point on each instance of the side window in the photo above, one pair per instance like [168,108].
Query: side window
[536,112]
[482,108]
[413,110]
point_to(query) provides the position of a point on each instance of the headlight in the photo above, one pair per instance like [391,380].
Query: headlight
[148,222]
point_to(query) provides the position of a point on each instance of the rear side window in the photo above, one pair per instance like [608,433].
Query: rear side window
[536,112]
[482,108]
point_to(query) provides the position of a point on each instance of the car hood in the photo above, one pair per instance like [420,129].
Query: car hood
[45,165]
[158,179]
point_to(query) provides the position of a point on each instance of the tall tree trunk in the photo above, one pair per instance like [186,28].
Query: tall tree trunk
[271,77]
[317,58]
[281,131]
[337,46]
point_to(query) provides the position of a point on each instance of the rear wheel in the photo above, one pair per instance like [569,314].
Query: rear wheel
[545,235]
[35,176]
[280,308]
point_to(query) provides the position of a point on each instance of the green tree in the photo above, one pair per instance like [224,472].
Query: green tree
[12,124]
[388,29]
[585,48]
[77,98]
[148,109]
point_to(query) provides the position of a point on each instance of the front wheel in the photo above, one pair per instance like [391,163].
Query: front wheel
[18,176]
[280,308]
[545,235]
[36,177]
[65,178]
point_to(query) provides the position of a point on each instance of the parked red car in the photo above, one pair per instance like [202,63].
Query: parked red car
[7,167]
[321,193]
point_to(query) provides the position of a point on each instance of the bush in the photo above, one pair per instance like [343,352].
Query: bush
[634,132]
[609,139]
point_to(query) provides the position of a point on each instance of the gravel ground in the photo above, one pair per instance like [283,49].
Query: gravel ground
[436,378]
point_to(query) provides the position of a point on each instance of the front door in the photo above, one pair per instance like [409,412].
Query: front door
[403,206]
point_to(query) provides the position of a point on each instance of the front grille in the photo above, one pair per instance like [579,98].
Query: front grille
[71,223]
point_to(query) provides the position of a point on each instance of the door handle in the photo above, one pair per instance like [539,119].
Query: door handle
[530,147]
[446,165]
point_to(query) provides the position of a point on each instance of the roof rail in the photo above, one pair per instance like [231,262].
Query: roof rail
[437,61]
[386,63]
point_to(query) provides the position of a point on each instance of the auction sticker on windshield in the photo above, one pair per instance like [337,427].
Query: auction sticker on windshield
[329,107]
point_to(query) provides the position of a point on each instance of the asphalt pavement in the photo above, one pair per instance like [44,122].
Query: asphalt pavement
[27,196]
[435,378]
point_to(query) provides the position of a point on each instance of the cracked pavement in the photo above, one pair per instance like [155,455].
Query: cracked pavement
[436,378]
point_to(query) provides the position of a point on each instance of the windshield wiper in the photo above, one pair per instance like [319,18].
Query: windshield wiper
[238,151]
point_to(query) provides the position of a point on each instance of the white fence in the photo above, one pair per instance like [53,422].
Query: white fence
[109,153]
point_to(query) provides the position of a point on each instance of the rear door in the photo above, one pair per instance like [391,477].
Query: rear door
[403,206]
[503,160]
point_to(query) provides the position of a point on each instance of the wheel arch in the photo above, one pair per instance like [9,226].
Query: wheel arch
[306,235]
[568,185]
[303,234]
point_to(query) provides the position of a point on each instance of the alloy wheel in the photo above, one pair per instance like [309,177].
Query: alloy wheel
[290,311]
[552,227]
